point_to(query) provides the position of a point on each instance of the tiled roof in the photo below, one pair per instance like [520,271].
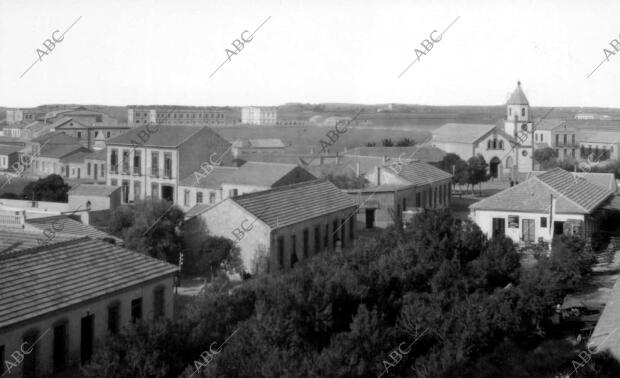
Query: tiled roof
[550,124]
[56,138]
[9,149]
[162,136]
[260,174]
[37,281]
[296,203]
[14,239]
[77,157]
[605,180]
[461,132]
[518,97]
[606,334]
[601,137]
[424,153]
[573,194]
[212,180]
[63,225]
[93,190]
[58,151]
[197,210]
[101,154]
[419,173]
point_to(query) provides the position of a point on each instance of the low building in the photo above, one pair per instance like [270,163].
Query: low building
[9,154]
[94,197]
[175,115]
[252,115]
[559,135]
[62,310]
[399,190]
[87,133]
[95,166]
[257,146]
[284,225]
[552,203]
[427,154]
[224,182]
[600,145]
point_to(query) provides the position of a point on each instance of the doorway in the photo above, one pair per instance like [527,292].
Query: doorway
[370,218]
[86,346]
[167,193]
[494,167]
[499,227]
[528,230]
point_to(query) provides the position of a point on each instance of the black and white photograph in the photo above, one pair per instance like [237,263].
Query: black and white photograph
[275,189]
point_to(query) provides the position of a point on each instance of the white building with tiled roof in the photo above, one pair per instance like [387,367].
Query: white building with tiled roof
[554,202]
[68,296]
[289,223]
[494,143]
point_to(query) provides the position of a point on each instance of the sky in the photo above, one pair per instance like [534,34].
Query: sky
[128,52]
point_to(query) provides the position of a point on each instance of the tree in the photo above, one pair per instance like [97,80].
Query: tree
[347,180]
[477,171]
[387,142]
[371,144]
[151,227]
[51,188]
[545,157]
[405,142]
[453,164]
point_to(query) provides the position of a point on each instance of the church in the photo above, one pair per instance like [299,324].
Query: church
[507,150]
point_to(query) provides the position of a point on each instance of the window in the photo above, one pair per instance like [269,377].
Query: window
[154,190]
[573,139]
[198,197]
[155,163]
[136,310]
[326,237]
[281,252]
[125,162]
[352,227]
[501,144]
[113,182]
[305,243]
[114,313]
[186,197]
[211,197]
[168,165]
[557,139]
[136,190]
[509,111]
[158,302]
[136,163]
[565,139]
[404,204]
[317,239]
[293,250]
[335,232]
[2,365]
[543,222]
[114,161]
[29,364]
[60,346]
[417,200]
[88,169]
[79,135]
[233,193]
[522,112]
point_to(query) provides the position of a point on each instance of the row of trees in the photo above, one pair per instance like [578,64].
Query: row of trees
[465,299]
[469,173]
[387,142]
[50,188]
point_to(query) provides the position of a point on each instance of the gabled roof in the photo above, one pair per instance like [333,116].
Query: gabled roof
[604,180]
[101,154]
[259,174]
[64,225]
[573,194]
[295,203]
[40,280]
[212,180]
[56,138]
[517,97]
[163,136]
[419,173]
[9,149]
[461,132]
[93,190]
[550,124]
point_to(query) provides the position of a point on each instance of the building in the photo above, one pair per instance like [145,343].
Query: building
[19,115]
[554,202]
[94,164]
[284,225]
[70,295]
[85,132]
[590,116]
[169,115]
[9,154]
[599,145]
[399,190]
[252,115]
[224,182]
[428,154]
[155,166]
[257,146]
[94,197]
[51,156]
[559,135]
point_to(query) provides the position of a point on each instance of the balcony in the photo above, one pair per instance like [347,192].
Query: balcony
[136,171]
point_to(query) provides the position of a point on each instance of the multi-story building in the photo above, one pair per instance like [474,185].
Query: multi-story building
[61,311]
[150,161]
[18,115]
[253,115]
[87,133]
[559,135]
[169,115]
[599,145]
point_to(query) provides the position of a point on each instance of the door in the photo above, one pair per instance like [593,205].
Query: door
[499,226]
[528,228]
[60,346]
[95,168]
[86,346]
[370,218]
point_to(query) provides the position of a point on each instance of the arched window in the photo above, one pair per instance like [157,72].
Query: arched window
[522,112]
[501,144]
[489,144]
